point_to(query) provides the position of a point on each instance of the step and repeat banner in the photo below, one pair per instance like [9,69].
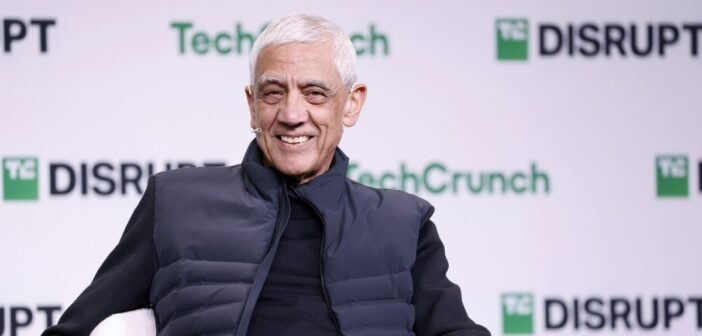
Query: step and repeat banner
[560,142]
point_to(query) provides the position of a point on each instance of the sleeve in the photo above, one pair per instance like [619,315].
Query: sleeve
[122,282]
[437,301]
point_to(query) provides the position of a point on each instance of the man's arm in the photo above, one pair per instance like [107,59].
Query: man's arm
[437,301]
[122,283]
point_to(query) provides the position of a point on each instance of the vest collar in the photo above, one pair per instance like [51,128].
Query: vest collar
[325,191]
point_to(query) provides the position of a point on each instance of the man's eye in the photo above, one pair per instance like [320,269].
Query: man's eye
[272,93]
[272,96]
[316,96]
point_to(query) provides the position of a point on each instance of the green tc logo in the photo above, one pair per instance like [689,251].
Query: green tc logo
[671,176]
[512,39]
[518,313]
[20,178]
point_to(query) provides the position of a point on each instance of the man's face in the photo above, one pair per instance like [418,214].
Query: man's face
[301,106]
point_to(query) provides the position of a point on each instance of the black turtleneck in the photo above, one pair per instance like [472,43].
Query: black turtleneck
[292,302]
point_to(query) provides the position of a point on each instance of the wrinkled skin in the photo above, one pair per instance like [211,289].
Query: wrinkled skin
[301,106]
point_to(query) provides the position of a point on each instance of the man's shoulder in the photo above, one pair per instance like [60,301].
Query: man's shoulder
[190,175]
[397,199]
[194,172]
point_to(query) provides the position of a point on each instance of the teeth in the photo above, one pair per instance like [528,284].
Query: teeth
[294,140]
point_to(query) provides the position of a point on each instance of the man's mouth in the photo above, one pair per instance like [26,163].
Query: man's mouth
[294,139]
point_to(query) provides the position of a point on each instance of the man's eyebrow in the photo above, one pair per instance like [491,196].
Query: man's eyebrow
[315,82]
[268,79]
[264,80]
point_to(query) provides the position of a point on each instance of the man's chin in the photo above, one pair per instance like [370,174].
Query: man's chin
[295,170]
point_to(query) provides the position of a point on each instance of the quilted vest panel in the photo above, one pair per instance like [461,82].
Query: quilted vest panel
[370,248]
[215,226]
[211,233]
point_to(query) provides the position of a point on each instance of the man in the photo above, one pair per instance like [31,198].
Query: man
[283,244]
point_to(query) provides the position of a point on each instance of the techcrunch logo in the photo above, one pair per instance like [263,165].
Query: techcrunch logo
[512,39]
[591,39]
[20,178]
[517,313]
[238,40]
[596,313]
[438,178]
[101,178]
[673,176]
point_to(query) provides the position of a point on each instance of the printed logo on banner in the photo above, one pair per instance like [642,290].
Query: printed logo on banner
[672,178]
[20,178]
[594,39]
[100,178]
[15,30]
[369,42]
[438,178]
[518,313]
[568,315]
[512,39]
[22,317]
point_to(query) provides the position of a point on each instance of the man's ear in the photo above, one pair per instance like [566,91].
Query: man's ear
[250,101]
[354,103]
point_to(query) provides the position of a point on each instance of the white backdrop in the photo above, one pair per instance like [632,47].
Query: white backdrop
[113,87]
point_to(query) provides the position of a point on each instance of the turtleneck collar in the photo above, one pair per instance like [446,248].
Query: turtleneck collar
[325,191]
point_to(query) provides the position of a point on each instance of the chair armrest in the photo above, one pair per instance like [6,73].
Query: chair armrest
[140,322]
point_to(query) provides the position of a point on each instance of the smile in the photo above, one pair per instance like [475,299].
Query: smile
[294,140]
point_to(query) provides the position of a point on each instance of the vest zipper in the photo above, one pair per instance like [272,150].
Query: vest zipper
[335,320]
[324,287]
[265,266]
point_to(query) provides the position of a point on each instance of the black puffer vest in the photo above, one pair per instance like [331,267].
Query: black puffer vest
[217,230]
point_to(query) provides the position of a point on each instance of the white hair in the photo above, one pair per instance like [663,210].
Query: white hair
[298,27]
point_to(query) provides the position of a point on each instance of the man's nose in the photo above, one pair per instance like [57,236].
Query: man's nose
[293,111]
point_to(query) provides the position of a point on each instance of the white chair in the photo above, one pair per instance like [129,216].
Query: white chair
[140,322]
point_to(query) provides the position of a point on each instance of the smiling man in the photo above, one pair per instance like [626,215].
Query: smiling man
[301,104]
[284,243]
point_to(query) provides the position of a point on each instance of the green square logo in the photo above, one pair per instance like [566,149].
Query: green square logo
[518,313]
[20,176]
[512,39]
[672,176]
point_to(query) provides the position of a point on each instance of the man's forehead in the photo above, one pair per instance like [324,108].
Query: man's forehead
[293,48]
[297,62]
[295,53]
